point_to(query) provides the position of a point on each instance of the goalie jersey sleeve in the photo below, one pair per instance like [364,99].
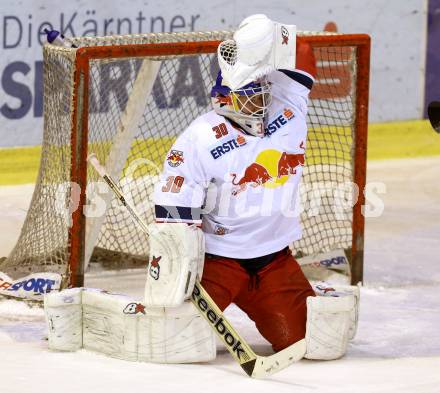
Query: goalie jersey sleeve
[180,193]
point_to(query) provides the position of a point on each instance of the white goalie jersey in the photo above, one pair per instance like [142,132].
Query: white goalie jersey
[241,189]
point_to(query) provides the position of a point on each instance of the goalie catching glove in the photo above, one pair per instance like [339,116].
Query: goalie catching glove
[177,253]
[259,47]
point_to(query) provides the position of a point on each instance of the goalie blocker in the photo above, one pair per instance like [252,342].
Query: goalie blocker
[177,252]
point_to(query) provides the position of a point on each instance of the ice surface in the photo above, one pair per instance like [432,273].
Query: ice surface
[397,348]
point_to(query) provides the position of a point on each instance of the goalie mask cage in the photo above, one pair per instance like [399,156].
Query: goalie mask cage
[126,98]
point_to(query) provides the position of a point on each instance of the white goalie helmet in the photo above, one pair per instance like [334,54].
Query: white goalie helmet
[247,106]
[242,92]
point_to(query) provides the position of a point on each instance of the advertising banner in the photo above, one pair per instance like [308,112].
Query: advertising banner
[398,31]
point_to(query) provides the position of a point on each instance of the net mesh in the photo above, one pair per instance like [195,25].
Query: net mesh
[228,52]
[178,95]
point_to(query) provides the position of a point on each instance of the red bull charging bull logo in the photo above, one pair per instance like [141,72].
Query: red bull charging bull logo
[271,169]
[175,158]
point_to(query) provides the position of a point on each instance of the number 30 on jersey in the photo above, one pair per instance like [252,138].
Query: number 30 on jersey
[173,184]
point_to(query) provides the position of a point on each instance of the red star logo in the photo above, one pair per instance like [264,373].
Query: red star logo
[140,308]
[155,261]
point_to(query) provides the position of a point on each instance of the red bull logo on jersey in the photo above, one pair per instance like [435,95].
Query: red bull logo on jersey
[220,230]
[288,163]
[285,116]
[175,158]
[271,169]
[254,175]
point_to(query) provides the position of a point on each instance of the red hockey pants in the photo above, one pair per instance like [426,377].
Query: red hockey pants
[277,304]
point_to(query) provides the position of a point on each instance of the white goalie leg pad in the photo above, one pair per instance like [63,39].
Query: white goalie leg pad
[177,254]
[175,335]
[121,327]
[323,288]
[64,319]
[328,324]
[354,291]
[110,324]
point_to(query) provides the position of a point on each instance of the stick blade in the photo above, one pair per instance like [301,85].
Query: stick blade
[268,365]
[434,115]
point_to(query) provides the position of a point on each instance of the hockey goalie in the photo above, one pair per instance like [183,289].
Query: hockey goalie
[221,216]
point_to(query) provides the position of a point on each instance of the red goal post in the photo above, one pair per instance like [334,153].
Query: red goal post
[339,112]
